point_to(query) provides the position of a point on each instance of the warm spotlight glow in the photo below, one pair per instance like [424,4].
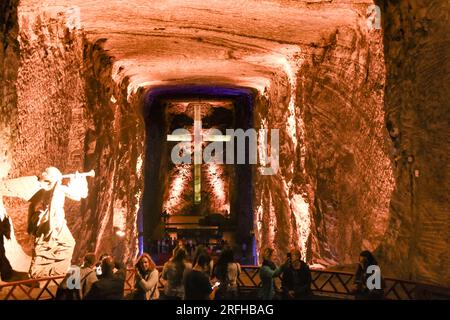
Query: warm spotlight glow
[215,180]
[120,233]
[265,222]
[177,187]
[300,209]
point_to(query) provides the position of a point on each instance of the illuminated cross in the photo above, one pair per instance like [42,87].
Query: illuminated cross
[198,140]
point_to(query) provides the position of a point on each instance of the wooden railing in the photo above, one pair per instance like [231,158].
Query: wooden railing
[32,289]
[336,284]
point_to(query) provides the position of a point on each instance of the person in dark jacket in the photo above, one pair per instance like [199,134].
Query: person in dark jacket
[196,281]
[296,278]
[111,285]
[364,288]
[227,272]
[6,270]
[202,251]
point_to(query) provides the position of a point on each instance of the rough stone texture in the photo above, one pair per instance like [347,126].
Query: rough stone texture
[332,199]
[65,118]
[9,63]
[334,89]
[9,48]
[417,57]
[348,170]
[49,128]
[114,145]
[50,95]
[215,179]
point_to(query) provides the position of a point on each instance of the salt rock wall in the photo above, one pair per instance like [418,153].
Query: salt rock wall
[372,138]
[64,109]
[114,149]
[9,64]
[275,221]
[363,119]
[9,49]
[348,167]
[417,95]
[47,122]
[50,95]
[331,194]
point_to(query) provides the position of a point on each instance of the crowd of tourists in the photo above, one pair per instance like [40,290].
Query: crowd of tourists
[200,276]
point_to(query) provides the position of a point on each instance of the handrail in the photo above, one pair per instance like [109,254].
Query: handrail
[333,283]
[324,283]
[31,289]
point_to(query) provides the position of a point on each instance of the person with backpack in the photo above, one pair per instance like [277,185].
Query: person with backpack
[227,272]
[173,274]
[87,278]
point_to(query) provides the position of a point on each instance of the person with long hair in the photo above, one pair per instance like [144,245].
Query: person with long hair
[202,251]
[267,273]
[227,272]
[196,281]
[146,279]
[173,273]
[361,288]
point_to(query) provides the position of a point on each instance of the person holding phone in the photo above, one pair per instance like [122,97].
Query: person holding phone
[146,279]
[196,281]
[227,272]
[268,272]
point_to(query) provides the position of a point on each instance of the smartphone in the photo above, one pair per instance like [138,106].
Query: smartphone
[98,270]
[215,285]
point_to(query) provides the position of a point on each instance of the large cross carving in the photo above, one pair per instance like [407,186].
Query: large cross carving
[198,138]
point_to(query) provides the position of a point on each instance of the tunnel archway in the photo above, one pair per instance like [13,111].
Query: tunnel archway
[157,159]
[332,83]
